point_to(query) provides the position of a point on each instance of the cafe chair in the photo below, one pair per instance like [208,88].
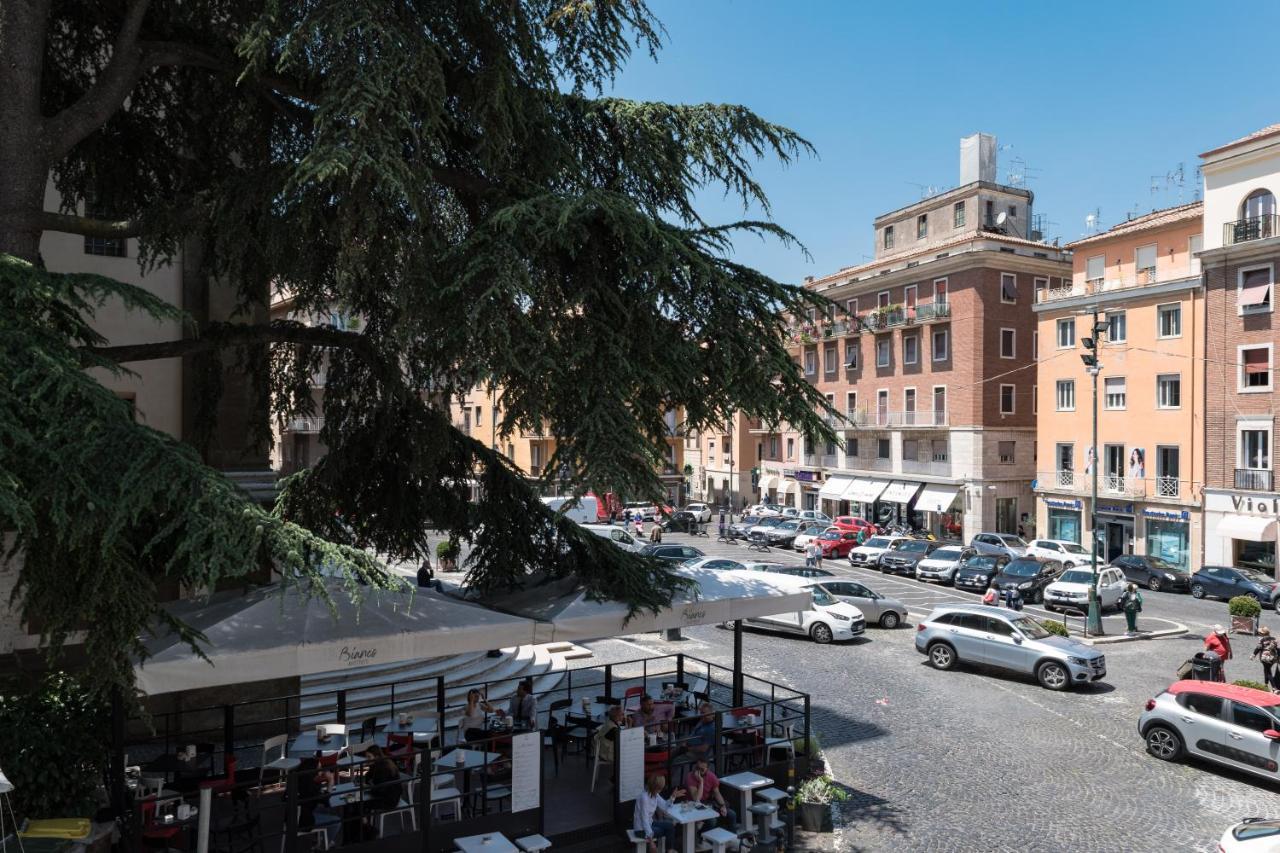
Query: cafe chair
[632,693]
[596,762]
[320,834]
[155,834]
[443,793]
[786,743]
[400,812]
[276,759]
[533,844]
[718,839]
[637,838]
[225,784]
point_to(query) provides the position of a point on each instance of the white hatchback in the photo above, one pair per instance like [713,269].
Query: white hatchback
[1071,589]
[826,620]
[804,538]
[1065,552]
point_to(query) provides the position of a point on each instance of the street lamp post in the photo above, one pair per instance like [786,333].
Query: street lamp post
[1094,367]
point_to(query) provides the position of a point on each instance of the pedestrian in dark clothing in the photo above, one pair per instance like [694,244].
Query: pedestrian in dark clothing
[1267,651]
[1013,598]
[424,574]
[1131,603]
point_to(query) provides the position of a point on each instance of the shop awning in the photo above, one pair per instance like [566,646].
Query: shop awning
[767,482]
[1255,528]
[788,487]
[834,487]
[865,489]
[900,491]
[936,498]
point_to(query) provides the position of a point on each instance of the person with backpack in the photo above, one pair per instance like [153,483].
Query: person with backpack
[1267,651]
[991,597]
[1131,603]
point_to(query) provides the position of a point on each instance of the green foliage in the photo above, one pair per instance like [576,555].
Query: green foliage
[1244,605]
[1252,685]
[52,746]
[821,789]
[1053,626]
[447,550]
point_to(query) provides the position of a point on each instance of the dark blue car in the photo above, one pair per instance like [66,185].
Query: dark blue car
[1228,582]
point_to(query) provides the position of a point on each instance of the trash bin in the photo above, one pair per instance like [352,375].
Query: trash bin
[1206,666]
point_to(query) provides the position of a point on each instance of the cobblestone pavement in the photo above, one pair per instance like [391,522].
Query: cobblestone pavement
[974,760]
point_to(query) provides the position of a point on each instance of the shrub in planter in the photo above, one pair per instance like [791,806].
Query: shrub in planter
[1053,626]
[1252,685]
[1244,605]
[814,798]
[447,555]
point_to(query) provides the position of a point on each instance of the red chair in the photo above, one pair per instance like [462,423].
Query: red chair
[632,692]
[400,748]
[656,762]
[156,834]
[226,784]
[751,736]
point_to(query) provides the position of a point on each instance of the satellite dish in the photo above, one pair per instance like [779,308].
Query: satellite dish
[1002,218]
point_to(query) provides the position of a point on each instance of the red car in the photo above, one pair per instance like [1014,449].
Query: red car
[837,543]
[854,523]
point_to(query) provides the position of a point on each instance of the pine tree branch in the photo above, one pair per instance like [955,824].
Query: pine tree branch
[222,335]
[85,226]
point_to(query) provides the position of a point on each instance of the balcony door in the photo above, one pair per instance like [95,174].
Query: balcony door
[1113,467]
[1066,465]
[882,408]
[1167,474]
[909,407]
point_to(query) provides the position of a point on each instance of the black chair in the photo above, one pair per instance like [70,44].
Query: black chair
[368,729]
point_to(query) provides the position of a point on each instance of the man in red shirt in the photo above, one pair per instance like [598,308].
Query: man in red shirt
[1218,643]
[703,787]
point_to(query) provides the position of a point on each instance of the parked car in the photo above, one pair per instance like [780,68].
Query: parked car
[803,539]
[674,554]
[1251,835]
[854,523]
[766,524]
[878,609]
[1228,582]
[814,515]
[584,510]
[681,521]
[740,528]
[783,535]
[1155,573]
[1236,727]
[941,565]
[1029,576]
[868,553]
[717,563]
[999,543]
[1008,639]
[826,620]
[701,512]
[763,567]
[617,535]
[837,543]
[789,512]
[976,572]
[803,572]
[646,510]
[1068,553]
[901,559]
[756,509]
[1071,589]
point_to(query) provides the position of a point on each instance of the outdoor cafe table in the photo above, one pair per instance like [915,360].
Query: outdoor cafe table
[689,814]
[306,743]
[490,842]
[744,784]
[423,729]
[472,760]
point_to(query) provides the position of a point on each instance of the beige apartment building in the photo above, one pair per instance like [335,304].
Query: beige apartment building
[930,358]
[1142,277]
[720,461]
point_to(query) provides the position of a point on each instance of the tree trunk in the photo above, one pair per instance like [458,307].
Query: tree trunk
[23,170]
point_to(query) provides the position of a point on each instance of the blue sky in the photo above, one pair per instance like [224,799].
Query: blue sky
[1096,98]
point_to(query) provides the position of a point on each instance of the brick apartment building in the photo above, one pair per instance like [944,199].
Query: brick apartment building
[931,360]
[1240,258]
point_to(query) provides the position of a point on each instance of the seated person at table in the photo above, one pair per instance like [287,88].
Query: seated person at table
[524,708]
[311,795]
[704,787]
[383,778]
[471,726]
[703,740]
[607,734]
[649,805]
[647,717]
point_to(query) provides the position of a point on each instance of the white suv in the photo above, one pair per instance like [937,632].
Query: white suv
[1234,726]
[1068,553]
[1071,589]
[868,553]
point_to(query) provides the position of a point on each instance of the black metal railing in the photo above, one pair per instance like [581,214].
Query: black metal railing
[1254,479]
[1252,228]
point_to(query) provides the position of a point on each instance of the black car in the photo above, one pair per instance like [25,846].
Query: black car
[739,528]
[674,554]
[976,572]
[1154,573]
[1228,582]
[681,521]
[1029,576]
[901,559]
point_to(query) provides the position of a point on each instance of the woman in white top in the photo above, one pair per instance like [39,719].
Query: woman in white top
[471,726]
[648,804]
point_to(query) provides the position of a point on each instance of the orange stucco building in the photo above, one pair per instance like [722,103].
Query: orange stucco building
[1143,279]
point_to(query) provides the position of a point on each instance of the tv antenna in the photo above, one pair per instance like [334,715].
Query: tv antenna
[1020,173]
[926,190]
[1093,222]
[1174,178]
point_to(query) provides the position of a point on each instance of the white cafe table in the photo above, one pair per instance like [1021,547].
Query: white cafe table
[306,743]
[472,760]
[422,728]
[490,842]
[744,784]
[689,815]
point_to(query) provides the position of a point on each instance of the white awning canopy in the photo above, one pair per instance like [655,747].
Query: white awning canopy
[834,487]
[788,487]
[937,498]
[270,633]
[1255,528]
[900,491]
[865,489]
[767,482]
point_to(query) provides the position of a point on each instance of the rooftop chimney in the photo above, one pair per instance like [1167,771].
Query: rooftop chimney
[977,158]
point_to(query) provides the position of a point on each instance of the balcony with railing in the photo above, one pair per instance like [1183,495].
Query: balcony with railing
[875,418]
[929,467]
[534,432]
[809,460]
[1252,228]
[305,425]
[1142,278]
[1254,479]
[928,312]
[1164,487]
[830,460]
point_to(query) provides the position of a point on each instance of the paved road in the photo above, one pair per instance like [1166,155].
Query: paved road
[976,760]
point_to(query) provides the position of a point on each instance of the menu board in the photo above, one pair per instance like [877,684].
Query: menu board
[630,763]
[526,771]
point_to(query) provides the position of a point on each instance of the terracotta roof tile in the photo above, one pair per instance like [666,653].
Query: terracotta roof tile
[1154,219]
[1269,130]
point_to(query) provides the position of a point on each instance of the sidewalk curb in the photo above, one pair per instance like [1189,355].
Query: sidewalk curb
[1145,635]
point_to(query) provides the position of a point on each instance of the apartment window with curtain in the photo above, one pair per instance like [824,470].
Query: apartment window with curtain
[910,349]
[1255,368]
[1169,391]
[851,353]
[882,351]
[791,448]
[1095,269]
[1253,290]
[851,401]
[1144,262]
[1067,333]
[829,358]
[940,343]
[1254,452]
[1008,288]
[1169,321]
[1117,327]
[1116,394]
[1167,471]
[940,290]
[810,363]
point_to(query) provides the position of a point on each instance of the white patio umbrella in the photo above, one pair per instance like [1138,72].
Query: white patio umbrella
[269,633]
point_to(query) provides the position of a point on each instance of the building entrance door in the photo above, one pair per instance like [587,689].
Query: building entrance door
[1006,515]
[1118,534]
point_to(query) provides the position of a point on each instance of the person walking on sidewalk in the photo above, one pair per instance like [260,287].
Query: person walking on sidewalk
[1218,643]
[1266,652]
[812,553]
[1131,603]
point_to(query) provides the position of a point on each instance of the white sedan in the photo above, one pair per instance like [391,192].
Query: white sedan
[716,563]
[1254,835]
[1065,552]
[1071,589]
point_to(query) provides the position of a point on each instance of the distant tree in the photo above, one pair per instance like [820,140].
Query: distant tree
[449,172]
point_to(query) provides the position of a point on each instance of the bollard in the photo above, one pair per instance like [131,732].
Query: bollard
[791,815]
[202,829]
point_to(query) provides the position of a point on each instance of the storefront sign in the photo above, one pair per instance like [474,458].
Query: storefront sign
[1123,509]
[1170,514]
[806,476]
[1062,503]
[1242,504]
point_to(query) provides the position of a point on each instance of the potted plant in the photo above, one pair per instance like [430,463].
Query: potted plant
[1053,626]
[1244,610]
[447,555]
[814,799]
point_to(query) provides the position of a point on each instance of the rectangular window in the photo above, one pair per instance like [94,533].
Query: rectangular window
[1066,457]
[810,362]
[1066,393]
[773,447]
[909,298]
[851,401]
[957,215]
[110,247]
[882,448]
[1254,290]
[1169,391]
[791,448]
[908,401]
[888,236]
[1035,401]
[1167,464]
[1255,368]
[1006,399]
[882,351]
[1169,321]
[1067,333]
[1008,343]
[1144,263]
[940,291]
[851,447]
[911,449]
[1035,345]
[830,358]
[1117,327]
[940,345]
[1255,449]
[1005,450]
[1041,288]
[851,347]
[1194,245]
[922,226]
[1115,392]
[479,415]
[851,307]
[1113,459]
[941,450]
[1013,211]
[910,349]
[882,299]
[1095,269]
[1008,288]
[939,405]
[991,213]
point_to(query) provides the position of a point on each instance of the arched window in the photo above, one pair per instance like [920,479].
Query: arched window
[1257,204]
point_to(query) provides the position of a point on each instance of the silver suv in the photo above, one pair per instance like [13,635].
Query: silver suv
[1008,639]
[1234,726]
